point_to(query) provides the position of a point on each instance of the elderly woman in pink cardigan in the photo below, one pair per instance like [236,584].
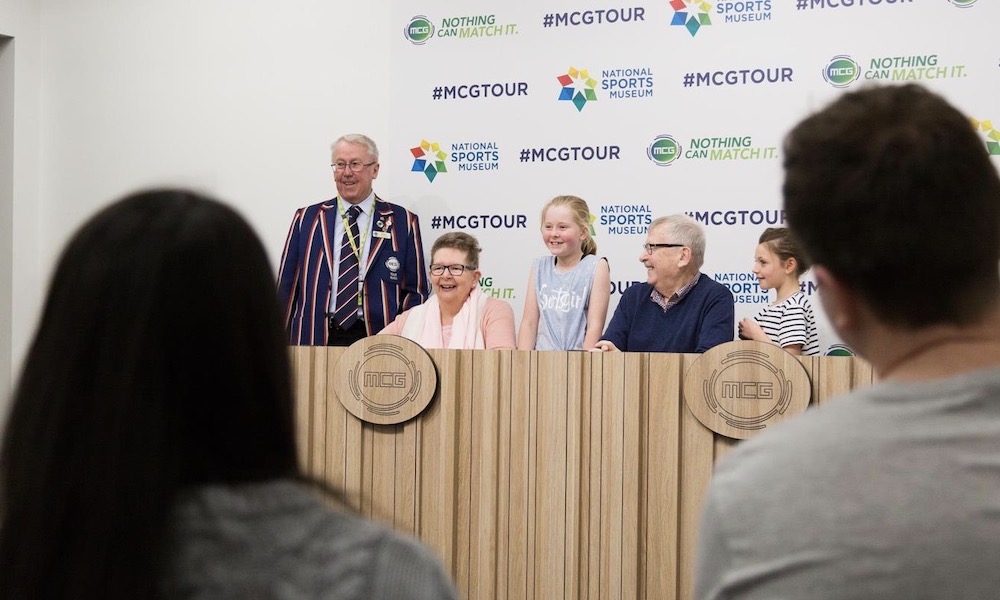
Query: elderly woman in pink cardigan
[457,315]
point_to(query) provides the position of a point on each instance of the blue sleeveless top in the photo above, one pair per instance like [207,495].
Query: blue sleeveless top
[563,299]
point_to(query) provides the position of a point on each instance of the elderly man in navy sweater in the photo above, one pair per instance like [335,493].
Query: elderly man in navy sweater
[678,309]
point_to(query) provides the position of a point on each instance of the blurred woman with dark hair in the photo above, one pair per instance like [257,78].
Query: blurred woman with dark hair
[150,447]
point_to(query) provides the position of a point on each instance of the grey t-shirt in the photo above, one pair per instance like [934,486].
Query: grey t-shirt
[563,300]
[889,492]
[278,540]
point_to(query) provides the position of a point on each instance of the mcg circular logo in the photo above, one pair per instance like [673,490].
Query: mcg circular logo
[841,71]
[419,30]
[739,388]
[664,150]
[385,379]
[839,350]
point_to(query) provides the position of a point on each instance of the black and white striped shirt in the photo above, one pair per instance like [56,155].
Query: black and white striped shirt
[791,322]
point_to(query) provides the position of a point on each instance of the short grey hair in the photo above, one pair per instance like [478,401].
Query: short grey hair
[358,138]
[682,229]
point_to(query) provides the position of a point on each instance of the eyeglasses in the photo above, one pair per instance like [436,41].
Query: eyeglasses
[455,270]
[648,248]
[354,166]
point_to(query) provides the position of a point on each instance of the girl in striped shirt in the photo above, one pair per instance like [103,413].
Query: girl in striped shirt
[787,322]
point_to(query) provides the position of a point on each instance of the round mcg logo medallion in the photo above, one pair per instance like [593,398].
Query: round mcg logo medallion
[664,150]
[839,350]
[419,30]
[739,388]
[841,71]
[385,379]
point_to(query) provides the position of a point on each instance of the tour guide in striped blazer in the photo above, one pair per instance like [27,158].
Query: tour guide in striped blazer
[376,253]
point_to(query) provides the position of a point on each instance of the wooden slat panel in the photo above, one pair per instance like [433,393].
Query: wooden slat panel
[862,374]
[550,456]
[835,375]
[318,393]
[491,373]
[404,508]
[698,453]
[301,359]
[468,401]
[531,479]
[338,454]
[722,446]
[636,365]
[662,467]
[383,471]
[577,391]
[589,390]
[515,560]
[537,475]
[611,464]
[438,456]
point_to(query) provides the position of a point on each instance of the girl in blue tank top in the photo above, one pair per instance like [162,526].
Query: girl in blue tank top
[569,289]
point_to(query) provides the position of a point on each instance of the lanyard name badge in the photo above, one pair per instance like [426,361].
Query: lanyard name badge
[355,247]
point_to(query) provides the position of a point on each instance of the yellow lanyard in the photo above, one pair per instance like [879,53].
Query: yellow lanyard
[355,245]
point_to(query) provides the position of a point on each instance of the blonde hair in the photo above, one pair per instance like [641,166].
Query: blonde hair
[581,216]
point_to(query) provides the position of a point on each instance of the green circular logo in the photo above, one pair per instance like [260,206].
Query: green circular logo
[419,30]
[963,3]
[841,71]
[664,150]
[839,350]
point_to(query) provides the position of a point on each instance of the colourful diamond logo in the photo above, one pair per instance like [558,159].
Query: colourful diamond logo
[992,135]
[691,14]
[428,158]
[577,87]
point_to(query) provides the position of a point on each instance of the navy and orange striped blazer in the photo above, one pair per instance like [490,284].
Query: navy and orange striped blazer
[395,277]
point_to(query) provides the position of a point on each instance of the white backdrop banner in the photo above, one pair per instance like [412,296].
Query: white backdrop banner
[645,109]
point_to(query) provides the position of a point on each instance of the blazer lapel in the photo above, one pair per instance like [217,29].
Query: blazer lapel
[328,224]
[382,214]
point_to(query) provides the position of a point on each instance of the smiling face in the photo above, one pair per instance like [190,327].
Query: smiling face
[771,272]
[449,288]
[561,233]
[353,187]
[665,267]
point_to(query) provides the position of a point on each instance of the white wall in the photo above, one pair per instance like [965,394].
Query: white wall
[240,99]
[19,20]
[6,205]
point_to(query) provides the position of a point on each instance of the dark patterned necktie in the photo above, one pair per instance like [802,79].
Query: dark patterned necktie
[345,311]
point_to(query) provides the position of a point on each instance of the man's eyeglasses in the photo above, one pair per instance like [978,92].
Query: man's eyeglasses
[354,166]
[455,270]
[650,247]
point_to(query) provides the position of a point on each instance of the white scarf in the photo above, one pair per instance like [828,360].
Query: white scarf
[423,324]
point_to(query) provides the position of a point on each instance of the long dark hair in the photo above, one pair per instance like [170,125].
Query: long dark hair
[160,363]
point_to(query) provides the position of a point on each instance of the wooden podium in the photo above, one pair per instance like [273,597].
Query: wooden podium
[538,474]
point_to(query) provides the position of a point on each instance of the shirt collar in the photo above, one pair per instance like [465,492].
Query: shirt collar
[366,205]
[667,303]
